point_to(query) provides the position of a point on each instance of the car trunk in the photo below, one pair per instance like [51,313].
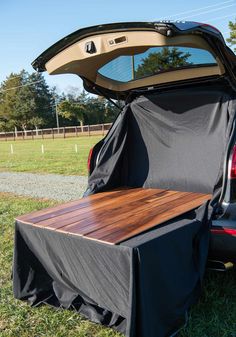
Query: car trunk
[175,139]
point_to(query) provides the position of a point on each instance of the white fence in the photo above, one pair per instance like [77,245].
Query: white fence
[63,132]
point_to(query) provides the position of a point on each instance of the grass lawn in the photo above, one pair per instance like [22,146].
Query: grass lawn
[213,316]
[59,155]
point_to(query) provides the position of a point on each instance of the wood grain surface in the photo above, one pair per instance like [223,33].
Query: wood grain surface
[115,216]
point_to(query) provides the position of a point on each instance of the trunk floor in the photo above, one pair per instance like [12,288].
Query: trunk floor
[113,217]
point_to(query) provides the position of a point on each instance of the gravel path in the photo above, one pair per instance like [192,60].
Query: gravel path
[50,186]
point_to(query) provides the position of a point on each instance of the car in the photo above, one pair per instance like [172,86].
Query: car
[186,71]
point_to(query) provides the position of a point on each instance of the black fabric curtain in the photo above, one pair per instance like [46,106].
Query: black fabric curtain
[173,140]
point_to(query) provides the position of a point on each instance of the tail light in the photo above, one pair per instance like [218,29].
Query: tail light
[232,164]
[224,231]
[89,159]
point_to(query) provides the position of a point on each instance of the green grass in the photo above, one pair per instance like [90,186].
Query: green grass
[213,316]
[59,156]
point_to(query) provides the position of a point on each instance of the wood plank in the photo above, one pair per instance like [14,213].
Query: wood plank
[99,207]
[101,220]
[117,233]
[66,207]
[115,216]
[80,204]
[136,215]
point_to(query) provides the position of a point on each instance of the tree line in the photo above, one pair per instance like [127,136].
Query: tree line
[27,102]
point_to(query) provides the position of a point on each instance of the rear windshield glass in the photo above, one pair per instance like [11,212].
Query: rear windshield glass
[155,60]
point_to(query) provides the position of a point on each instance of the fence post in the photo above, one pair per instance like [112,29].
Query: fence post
[76,131]
[89,130]
[32,134]
[42,133]
[52,133]
[64,132]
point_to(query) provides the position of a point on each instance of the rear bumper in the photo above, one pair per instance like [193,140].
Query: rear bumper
[223,244]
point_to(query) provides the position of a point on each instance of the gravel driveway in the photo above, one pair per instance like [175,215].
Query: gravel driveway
[50,186]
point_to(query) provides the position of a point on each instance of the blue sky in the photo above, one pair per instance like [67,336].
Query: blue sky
[28,27]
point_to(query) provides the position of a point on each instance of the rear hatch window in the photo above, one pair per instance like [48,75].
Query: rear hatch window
[155,60]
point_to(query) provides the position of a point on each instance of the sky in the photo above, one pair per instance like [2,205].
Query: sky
[28,27]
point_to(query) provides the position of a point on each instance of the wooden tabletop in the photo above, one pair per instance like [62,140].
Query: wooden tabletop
[115,216]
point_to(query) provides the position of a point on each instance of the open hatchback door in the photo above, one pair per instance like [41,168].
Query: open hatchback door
[115,59]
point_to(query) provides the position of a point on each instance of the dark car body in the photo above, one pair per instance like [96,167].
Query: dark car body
[88,53]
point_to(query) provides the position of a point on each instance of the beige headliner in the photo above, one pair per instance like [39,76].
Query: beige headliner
[76,60]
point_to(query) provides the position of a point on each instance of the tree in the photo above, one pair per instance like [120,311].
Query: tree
[72,107]
[95,110]
[84,108]
[72,111]
[232,38]
[25,102]
[166,59]
[44,100]
[36,122]
[112,111]
[16,101]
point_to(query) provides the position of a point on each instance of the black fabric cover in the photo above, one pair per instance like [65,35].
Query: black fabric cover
[173,140]
[144,286]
